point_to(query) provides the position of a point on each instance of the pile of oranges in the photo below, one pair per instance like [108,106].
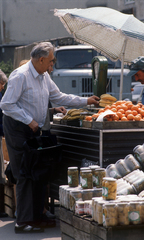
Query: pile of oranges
[124,111]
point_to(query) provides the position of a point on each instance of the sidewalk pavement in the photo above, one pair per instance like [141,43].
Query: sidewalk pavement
[7,231]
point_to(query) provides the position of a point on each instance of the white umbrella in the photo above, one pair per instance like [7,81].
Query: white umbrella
[116,35]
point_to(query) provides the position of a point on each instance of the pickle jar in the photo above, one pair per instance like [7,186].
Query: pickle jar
[139,153]
[122,168]
[109,189]
[131,162]
[73,178]
[123,213]
[135,213]
[110,214]
[111,171]
[86,179]
[93,167]
[98,175]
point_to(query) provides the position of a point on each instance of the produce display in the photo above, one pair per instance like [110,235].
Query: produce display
[123,111]
[106,99]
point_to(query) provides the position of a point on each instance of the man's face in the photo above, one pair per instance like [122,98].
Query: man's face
[2,84]
[139,76]
[47,62]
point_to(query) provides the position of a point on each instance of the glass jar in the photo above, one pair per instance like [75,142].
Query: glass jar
[79,207]
[97,192]
[86,179]
[110,214]
[99,211]
[139,154]
[121,167]
[87,194]
[123,213]
[139,184]
[111,171]
[109,189]
[134,213]
[73,178]
[131,162]
[98,176]
[93,167]
[75,195]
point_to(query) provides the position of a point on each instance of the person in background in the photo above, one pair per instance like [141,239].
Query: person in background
[3,81]
[137,70]
[25,105]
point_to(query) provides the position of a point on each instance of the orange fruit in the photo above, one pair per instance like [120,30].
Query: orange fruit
[107,107]
[134,112]
[119,114]
[128,112]
[135,107]
[129,105]
[142,112]
[95,115]
[137,117]
[88,118]
[124,107]
[115,117]
[130,116]
[101,110]
[121,110]
[124,119]
[114,109]
[119,102]
[127,102]
[140,104]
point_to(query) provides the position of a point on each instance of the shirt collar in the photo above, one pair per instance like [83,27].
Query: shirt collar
[33,70]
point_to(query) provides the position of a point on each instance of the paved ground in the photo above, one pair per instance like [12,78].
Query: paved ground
[7,231]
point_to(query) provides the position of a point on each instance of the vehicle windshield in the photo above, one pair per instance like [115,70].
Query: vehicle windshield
[78,59]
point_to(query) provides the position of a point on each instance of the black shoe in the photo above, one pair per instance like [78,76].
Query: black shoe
[27,229]
[2,215]
[49,215]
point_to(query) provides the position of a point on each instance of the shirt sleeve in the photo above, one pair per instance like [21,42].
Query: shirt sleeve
[70,100]
[9,102]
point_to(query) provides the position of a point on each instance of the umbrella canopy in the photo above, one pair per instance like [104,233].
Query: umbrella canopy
[116,35]
[109,31]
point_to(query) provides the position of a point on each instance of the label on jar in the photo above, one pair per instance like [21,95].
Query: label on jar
[105,191]
[95,180]
[103,219]
[113,173]
[84,182]
[134,216]
[69,179]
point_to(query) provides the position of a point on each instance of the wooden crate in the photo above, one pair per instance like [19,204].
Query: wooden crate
[9,200]
[74,227]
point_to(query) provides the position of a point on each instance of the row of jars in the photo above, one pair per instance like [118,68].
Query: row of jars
[112,213]
[90,177]
[69,195]
[122,167]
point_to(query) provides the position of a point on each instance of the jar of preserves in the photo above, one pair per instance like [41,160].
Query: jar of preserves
[109,188]
[87,194]
[131,162]
[111,171]
[98,175]
[139,184]
[75,195]
[139,154]
[110,214]
[79,207]
[99,211]
[122,168]
[73,178]
[135,212]
[123,213]
[86,179]
[93,167]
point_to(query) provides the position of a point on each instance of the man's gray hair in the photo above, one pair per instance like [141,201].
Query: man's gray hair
[3,77]
[41,50]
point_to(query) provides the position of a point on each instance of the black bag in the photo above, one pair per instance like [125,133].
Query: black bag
[41,159]
[8,173]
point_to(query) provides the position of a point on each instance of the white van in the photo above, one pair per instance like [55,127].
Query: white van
[73,72]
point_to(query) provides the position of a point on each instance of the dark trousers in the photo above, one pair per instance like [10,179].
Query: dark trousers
[28,192]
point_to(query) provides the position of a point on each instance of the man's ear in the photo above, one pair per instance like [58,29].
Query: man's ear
[41,60]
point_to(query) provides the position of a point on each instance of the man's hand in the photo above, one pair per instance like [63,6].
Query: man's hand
[93,100]
[33,125]
[61,110]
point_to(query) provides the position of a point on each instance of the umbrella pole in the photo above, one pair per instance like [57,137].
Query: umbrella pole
[122,67]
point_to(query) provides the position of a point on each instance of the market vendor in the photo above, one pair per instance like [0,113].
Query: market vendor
[137,70]
[24,106]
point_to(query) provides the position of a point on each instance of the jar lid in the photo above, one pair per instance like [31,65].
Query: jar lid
[110,179]
[100,169]
[72,168]
[84,168]
[86,171]
[94,166]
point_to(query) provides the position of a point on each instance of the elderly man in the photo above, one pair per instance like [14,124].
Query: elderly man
[25,105]
[137,70]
